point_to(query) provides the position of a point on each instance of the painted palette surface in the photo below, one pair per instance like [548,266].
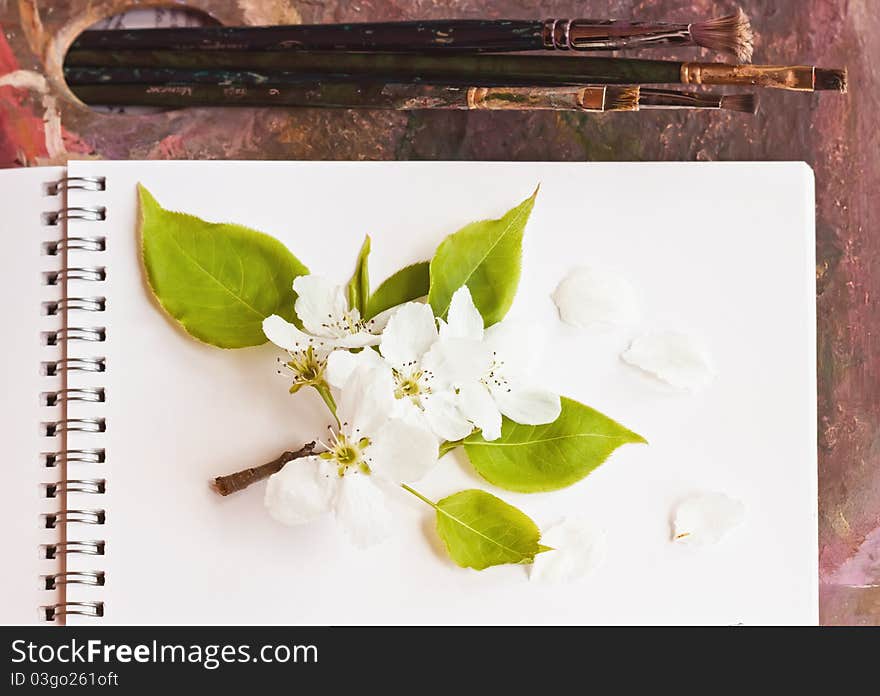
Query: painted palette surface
[40,123]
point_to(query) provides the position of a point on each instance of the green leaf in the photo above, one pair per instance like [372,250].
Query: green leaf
[218,280]
[358,288]
[408,284]
[480,530]
[485,256]
[533,458]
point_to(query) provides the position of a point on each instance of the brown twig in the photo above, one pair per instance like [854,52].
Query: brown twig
[231,483]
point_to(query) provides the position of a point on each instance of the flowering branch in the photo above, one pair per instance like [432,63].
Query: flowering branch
[240,480]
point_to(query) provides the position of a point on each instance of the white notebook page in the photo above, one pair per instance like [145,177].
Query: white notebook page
[725,250]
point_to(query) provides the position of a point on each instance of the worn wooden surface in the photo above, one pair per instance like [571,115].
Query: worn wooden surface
[41,123]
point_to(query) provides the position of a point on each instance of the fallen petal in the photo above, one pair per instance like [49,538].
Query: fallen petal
[678,359]
[578,550]
[706,518]
[594,296]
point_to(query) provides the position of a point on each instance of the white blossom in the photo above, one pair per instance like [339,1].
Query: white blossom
[488,369]
[326,317]
[368,450]
[421,399]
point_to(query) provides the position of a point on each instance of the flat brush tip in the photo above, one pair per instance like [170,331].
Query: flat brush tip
[622,98]
[731,34]
[831,80]
[745,103]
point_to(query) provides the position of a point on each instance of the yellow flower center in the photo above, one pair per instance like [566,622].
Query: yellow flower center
[306,367]
[412,383]
[347,453]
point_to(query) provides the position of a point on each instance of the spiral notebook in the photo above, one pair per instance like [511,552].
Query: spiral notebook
[114,420]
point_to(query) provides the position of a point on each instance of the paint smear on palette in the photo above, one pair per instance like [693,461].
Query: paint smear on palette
[863,568]
[269,12]
[26,137]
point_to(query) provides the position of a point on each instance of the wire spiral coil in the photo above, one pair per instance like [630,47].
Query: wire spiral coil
[68,489]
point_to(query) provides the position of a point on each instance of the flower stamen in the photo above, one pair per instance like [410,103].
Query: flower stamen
[307,368]
[347,453]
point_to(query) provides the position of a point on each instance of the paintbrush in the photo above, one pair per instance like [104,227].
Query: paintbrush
[401,97]
[481,70]
[731,34]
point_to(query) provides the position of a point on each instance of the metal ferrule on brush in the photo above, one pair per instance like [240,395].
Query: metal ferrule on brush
[611,35]
[798,78]
[592,98]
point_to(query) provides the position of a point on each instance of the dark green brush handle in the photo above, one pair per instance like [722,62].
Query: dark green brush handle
[364,95]
[475,70]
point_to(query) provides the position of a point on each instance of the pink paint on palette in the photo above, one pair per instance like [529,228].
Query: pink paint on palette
[863,568]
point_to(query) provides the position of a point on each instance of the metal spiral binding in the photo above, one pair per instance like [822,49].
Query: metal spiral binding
[95,486]
[53,611]
[83,183]
[82,456]
[53,519]
[93,395]
[88,548]
[70,306]
[74,244]
[84,304]
[94,213]
[93,274]
[75,577]
[74,425]
[55,367]
[74,333]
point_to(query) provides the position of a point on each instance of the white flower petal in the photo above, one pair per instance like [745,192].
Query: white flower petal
[319,302]
[463,320]
[705,518]
[341,363]
[457,361]
[302,491]
[515,346]
[366,401]
[409,334]
[591,295]
[477,404]
[527,405]
[360,339]
[285,335]
[408,412]
[444,418]
[362,510]
[676,358]
[402,452]
[578,550]
[378,323]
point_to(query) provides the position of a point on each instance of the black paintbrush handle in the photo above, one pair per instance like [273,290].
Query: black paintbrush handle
[446,35]
[463,35]
[265,67]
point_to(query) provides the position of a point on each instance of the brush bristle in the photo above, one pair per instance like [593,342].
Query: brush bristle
[622,98]
[731,34]
[746,103]
[832,80]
